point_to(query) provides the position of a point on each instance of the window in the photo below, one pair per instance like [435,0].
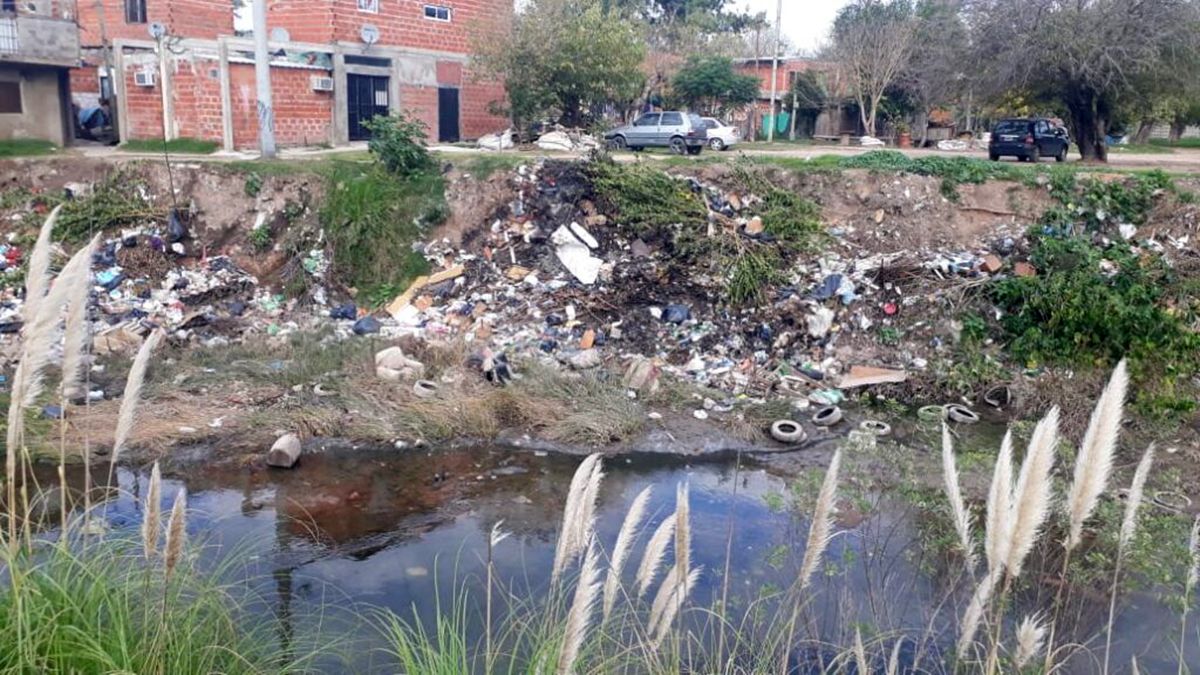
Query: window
[8,6]
[437,12]
[648,120]
[10,97]
[371,6]
[135,11]
[373,61]
[672,119]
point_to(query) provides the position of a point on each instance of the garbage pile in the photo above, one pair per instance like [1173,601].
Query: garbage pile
[554,278]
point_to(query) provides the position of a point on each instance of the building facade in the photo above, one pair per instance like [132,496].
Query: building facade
[39,43]
[834,121]
[334,65]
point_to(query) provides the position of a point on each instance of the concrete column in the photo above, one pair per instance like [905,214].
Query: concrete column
[168,99]
[262,82]
[226,96]
[341,101]
[118,80]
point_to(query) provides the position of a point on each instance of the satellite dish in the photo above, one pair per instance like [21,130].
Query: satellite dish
[157,30]
[280,35]
[370,34]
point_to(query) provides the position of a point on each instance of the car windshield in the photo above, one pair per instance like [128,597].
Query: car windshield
[711,123]
[1012,127]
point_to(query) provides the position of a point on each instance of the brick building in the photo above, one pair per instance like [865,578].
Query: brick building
[335,64]
[38,45]
[835,120]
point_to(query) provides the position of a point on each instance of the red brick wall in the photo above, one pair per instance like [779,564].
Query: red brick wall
[200,18]
[302,116]
[143,105]
[475,97]
[421,102]
[197,99]
[403,22]
[114,20]
[305,20]
[85,80]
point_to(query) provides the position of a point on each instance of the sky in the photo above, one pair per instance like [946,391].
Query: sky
[805,22]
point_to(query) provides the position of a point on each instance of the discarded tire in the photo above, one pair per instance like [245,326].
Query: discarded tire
[931,413]
[424,388]
[1175,502]
[827,416]
[998,396]
[876,427]
[961,414]
[787,431]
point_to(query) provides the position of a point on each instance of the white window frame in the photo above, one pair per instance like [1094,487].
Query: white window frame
[437,9]
[368,6]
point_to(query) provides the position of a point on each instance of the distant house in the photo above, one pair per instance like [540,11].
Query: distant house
[833,121]
[335,64]
[39,42]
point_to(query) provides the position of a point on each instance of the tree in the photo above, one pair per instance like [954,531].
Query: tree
[934,75]
[1086,55]
[808,96]
[711,84]
[564,59]
[872,41]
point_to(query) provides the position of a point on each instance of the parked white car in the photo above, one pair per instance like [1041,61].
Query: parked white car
[721,135]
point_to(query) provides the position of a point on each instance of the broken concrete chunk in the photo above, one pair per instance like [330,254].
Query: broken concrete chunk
[862,376]
[285,453]
[392,365]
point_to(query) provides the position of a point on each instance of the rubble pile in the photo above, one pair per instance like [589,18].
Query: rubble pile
[553,277]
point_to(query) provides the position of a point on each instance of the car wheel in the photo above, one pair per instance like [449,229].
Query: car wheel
[1035,155]
[617,143]
[1062,154]
[678,146]
[716,144]
[994,157]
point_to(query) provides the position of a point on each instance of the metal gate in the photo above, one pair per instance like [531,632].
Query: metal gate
[448,115]
[367,98]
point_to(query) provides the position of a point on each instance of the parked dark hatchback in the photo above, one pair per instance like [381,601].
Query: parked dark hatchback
[1029,140]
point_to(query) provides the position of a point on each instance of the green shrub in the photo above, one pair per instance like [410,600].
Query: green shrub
[398,142]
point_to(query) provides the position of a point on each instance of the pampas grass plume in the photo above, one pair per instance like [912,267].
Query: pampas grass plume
[1194,550]
[75,335]
[1031,497]
[577,515]
[962,519]
[622,548]
[579,617]
[822,523]
[974,614]
[37,274]
[668,601]
[152,520]
[1136,488]
[653,556]
[1030,635]
[176,534]
[133,392]
[1094,463]
[999,509]
[860,652]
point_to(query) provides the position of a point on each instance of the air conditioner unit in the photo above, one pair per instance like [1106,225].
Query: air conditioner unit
[320,83]
[144,78]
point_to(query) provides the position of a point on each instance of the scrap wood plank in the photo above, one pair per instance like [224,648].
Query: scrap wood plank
[405,298]
[861,376]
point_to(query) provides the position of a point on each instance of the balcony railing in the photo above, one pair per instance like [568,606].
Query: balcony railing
[39,31]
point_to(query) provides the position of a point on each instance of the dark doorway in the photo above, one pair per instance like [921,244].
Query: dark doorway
[448,115]
[367,98]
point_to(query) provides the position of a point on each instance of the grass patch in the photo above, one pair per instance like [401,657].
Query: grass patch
[189,146]
[644,197]
[26,147]
[1193,143]
[104,609]
[484,165]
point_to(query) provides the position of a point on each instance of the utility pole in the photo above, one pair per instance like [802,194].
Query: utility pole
[775,68]
[262,79]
